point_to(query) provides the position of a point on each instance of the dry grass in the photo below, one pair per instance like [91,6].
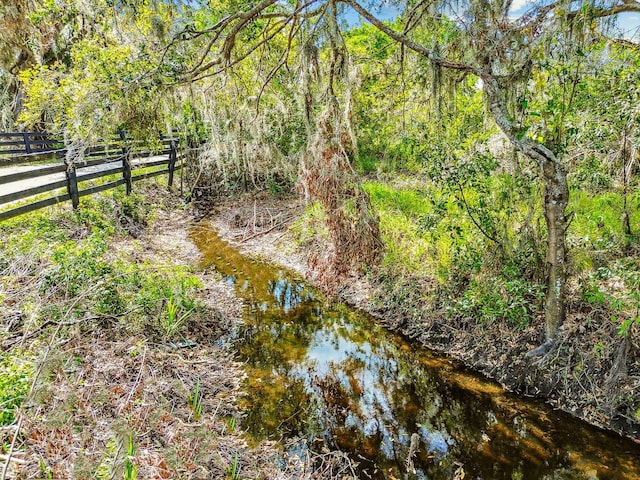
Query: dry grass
[99,395]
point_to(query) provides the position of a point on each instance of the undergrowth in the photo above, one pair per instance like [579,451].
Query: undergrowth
[474,284]
[60,269]
[434,238]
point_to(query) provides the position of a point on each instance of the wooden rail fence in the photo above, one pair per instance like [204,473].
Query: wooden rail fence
[33,163]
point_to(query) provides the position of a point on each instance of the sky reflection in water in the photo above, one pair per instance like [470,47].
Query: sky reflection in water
[323,370]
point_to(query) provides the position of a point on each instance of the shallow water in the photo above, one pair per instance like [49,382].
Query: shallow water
[328,372]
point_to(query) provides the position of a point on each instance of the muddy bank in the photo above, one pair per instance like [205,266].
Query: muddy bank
[591,373]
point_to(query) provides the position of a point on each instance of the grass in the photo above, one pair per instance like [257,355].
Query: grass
[16,372]
[130,469]
[597,222]
[174,319]
[233,470]
[61,276]
[426,229]
[195,401]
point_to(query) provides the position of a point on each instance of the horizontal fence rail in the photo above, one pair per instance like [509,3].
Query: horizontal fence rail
[28,145]
[35,163]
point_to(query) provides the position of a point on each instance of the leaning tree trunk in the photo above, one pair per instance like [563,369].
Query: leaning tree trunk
[556,198]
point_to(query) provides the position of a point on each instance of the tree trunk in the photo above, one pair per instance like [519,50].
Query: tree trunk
[556,198]
[627,163]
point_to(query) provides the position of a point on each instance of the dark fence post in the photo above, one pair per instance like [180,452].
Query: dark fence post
[126,163]
[172,161]
[27,143]
[72,185]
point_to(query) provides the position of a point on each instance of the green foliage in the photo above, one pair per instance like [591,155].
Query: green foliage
[169,297]
[592,174]
[597,222]
[104,470]
[174,318]
[275,186]
[233,470]
[453,208]
[103,87]
[614,292]
[232,424]
[491,299]
[130,469]
[16,374]
[311,226]
[191,126]
[131,209]
[430,227]
[81,274]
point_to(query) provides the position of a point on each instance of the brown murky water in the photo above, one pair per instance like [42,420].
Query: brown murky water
[329,373]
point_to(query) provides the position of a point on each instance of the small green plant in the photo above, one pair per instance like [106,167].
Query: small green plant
[492,299]
[233,470]
[195,401]
[130,469]
[48,474]
[174,319]
[232,424]
[625,326]
[598,349]
[274,185]
[104,470]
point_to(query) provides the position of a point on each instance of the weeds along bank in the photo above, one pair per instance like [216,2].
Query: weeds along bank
[94,305]
[463,273]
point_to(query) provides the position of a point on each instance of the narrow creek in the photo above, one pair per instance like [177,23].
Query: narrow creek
[327,372]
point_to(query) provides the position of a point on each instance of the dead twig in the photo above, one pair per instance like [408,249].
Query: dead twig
[264,232]
[135,384]
[14,459]
[15,339]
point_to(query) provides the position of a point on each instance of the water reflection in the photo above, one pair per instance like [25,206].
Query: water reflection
[327,372]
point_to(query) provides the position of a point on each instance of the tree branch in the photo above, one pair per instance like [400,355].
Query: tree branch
[498,107]
[624,7]
[245,18]
[198,71]
[473,219]
[403,39]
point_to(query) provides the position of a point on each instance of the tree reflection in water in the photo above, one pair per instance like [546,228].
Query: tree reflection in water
[323,370]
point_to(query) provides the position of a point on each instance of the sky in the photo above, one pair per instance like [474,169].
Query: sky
[628,23]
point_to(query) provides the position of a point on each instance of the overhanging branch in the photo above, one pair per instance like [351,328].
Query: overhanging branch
[406,41]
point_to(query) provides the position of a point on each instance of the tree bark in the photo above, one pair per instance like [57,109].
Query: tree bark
[556,198]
